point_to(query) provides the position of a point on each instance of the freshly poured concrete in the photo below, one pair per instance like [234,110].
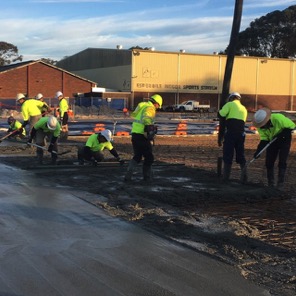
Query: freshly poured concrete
[53,243]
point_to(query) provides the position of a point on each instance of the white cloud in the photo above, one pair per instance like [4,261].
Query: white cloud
[165,28]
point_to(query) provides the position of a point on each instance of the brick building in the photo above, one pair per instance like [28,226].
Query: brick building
[33,77]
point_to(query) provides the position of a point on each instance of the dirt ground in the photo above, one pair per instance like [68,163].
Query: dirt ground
[248,226]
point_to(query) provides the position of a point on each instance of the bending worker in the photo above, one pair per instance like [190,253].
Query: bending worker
[46,128]
[16,127]
[270,126]
[143,133]
[234,140]
[31,109]
[94,147]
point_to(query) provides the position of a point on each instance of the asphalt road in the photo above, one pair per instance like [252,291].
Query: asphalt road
[54,243]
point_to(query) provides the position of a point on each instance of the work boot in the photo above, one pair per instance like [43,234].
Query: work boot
[244,174]
[281,178]
[130,169]
[270,177]
[147,173]
[226,172]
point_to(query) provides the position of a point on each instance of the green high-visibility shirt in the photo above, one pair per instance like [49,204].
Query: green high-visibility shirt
[42,124]
[64,107]
[94,144]
[234,110]
[30,108]
[143,115]
[279,122]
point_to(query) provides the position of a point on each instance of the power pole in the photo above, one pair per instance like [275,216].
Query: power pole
[229,63]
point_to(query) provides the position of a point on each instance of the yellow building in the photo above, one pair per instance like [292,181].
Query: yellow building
[180,76]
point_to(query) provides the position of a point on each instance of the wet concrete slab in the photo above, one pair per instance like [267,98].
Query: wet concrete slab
[52,242]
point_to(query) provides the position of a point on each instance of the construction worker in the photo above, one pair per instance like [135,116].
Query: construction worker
[45,109]
[46,127]
[31,109]
[274,125]
[63,113]
[15,125]
[94,146]
[235,115]
[143,133]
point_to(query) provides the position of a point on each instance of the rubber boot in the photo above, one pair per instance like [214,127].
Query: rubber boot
[80,156]
[281,178]
[244,174]
[130,169]
[226,172]
[270,177]
[39,156]
[147,173]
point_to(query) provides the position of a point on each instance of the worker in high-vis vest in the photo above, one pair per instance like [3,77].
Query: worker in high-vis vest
[15,128]
[274,126]
[234,139]
[143,133]
[30,109]
[47,128]
[63,112]
[94,147]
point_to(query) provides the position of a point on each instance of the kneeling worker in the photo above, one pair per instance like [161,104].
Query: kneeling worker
[15,128]
[94,147]
[46,127]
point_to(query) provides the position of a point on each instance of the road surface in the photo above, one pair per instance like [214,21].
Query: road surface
[52,242]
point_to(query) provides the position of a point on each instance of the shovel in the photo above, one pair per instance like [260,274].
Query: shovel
[44,148]
[273,140]
[9,134]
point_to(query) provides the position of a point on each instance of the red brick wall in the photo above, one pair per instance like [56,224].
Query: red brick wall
[40,78]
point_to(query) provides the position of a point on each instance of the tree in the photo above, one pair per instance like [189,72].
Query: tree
[272,35]
[8,54]
[49,61]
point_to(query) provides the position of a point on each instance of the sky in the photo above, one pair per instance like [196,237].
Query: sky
[56,29]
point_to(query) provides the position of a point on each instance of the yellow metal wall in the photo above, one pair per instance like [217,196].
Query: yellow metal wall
[187,73]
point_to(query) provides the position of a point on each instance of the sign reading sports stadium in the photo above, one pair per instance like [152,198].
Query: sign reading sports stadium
[173,87]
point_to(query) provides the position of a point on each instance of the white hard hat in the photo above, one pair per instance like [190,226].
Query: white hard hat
[107,134]
[52,122]
[234,94]
[39,96]
[261,117]
[20,96]
[58,94]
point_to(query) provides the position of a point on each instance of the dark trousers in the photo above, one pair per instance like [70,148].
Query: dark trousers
[142,149]
[86,154]
[281,149]
[234,142]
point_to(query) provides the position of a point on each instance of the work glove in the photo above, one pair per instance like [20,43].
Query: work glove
[260,146]
[50,147]
[285,133]
[151,131]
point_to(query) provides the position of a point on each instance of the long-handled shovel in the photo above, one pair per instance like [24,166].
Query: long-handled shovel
[8,135]
[261,151]
[44,148]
